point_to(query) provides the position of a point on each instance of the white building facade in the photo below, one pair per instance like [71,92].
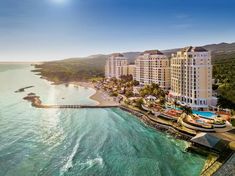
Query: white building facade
[152,66]
[116,66]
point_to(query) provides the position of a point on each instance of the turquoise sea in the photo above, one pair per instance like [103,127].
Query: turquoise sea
[89,142]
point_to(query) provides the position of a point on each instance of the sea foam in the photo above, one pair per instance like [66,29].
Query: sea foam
[95,161]
[69,163]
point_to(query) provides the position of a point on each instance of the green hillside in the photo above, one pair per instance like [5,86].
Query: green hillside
[79,69]
[224,73]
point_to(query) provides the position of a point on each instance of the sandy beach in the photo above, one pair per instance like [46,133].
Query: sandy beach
[100,96]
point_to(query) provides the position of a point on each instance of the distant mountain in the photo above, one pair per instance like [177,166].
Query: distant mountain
[221,48]
[131,56]
[170,51]
[216,50]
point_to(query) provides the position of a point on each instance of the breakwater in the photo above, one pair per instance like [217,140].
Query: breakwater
[23,89]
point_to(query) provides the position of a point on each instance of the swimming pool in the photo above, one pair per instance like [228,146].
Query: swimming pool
[205,114]
[200,121]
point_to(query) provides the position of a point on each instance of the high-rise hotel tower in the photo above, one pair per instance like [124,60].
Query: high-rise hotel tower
[116,66]
[152,66]
[191,77]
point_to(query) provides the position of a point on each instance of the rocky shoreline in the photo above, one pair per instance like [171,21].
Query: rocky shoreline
[159,126]
[35,100]
[214,160]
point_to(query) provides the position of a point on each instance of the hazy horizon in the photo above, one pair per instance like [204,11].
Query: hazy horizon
[59,29]
[86,56]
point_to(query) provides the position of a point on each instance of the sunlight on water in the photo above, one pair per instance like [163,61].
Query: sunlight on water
[79,141]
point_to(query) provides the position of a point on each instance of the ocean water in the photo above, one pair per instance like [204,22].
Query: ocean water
[85,142]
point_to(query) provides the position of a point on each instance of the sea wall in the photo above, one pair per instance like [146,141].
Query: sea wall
[159,126]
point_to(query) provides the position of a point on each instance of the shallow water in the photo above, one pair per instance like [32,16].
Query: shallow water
[79,141]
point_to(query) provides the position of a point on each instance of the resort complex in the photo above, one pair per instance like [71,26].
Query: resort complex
[187,74]
[170,94]
[170,88]
[117,88]
[175,94]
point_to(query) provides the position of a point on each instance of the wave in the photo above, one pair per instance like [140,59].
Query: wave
[69,163]
[95,161]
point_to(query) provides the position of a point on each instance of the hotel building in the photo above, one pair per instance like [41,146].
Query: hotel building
[152,66]
[191,77]
[129,70]
[116,65]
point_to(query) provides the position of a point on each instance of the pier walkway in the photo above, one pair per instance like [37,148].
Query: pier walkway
[36,102]
[80,106]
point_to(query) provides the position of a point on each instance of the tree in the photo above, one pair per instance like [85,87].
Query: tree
[129,93]
[215,86]
[114,94]
[162,100]
[139,102]
[175,103]
[135,83]
[187,110]
[126,78]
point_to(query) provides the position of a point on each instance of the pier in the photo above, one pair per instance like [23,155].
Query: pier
[37,103]
[80,106]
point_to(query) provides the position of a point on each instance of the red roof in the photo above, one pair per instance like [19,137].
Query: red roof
[194,49]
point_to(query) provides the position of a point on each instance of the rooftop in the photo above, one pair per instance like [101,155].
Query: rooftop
[194,49]
[211,141]
[152,52]
[117,55]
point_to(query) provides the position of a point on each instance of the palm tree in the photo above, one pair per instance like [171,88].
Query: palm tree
[187,110]
[175,103]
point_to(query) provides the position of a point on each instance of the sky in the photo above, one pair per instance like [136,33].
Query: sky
[56,29]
